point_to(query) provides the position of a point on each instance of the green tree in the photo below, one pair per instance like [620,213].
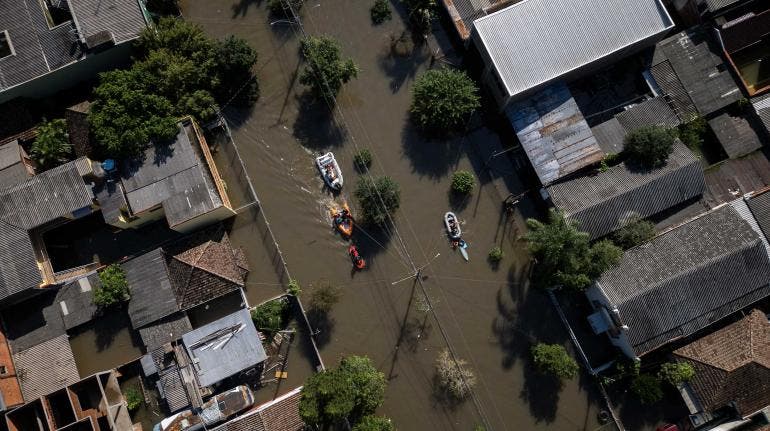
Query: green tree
[353,390]
[270,317]
[325,71]
[647,388]
[125,117]
[380,11]
[235,60]
[181,37]
[443,99]
[378,198]
[649,146]
[463,182]
[363,160]
[374,423]
[676,373]
[636,231]
[554,359]
[114,287]
[134,398]
[692,132]
[51,147]
[564,254]
[495,254]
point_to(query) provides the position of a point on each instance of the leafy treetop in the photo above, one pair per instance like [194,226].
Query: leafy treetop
[554,359]
[353,390]
[51,147]
[114,288]
[326,71]
[676,373]
[378,198]
[649,146]
[374,423]
[443,99]
[564,254]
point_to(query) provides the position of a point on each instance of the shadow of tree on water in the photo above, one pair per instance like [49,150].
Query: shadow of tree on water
[315,127]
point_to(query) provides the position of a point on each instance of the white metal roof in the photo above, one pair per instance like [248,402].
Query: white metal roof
[535,41]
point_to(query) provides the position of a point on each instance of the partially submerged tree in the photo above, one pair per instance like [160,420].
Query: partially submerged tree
[443,99]
[421,12]
[454,380]
[326,71]
[323,297]
[51,147]
[636,231]
[463,182]
[378,198]
[380,11]
[554,359]
[114,287]
[353,390]
[676,373]
[564,254]
[649,146]
[270,317]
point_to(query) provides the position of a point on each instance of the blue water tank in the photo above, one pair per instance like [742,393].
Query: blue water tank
[108,165]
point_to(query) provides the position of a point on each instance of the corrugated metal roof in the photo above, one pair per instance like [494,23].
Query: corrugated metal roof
[735,134]
[536,41]
[760,208]
[46,367]
[604,202]
[761,106]
[18,266]
[554,133]
[689,65]
[610,135]
[688,278]
[717,5]
[152,297]
[215,360]
[123,18]
[651,112]
[164,331]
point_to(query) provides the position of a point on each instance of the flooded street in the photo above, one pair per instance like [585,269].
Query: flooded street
[486,314]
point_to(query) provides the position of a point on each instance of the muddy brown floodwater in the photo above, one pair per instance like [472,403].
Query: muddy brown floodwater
[488,315]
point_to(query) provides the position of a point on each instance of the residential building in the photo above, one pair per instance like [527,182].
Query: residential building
[15,165]
[561,40]
[177,180]
[27,209]
[732,373]
[683,280]
[45,367]
[95,403]
[181,276]
[187,371]
[49,45]
[654,111]
[280,414]
[606,201]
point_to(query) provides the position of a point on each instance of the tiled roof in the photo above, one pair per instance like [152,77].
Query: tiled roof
[651,112]
[732,365]
[689,70]
[75,300]
[12,169]
[165,330]
[152,297]
[46,367]
[759,203]
[604,202]
[281,414]
[689,277]
[761,106]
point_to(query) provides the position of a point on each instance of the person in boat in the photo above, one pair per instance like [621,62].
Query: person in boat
[356,258]
[330,173]
[345,213]
[453,226]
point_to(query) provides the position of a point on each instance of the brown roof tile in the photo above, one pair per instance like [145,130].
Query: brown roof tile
[732,365]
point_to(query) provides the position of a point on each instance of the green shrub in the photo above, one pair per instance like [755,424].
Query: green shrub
[363,160]
[676,373]
[134,398]
[294,288]
[554,359]
[649,146]
[51,147]
[378,198]
[647,388]
[496,254]
[380,12]
[463,182]
[271,316]
[635,232]
[374,423]
[443,99]
[114,287]
[693,132]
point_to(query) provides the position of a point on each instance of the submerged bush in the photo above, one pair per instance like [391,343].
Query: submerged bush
[554,359]
[463,182]
[271,316]
[443,99]
[363,159]
[380,12]
[453,378]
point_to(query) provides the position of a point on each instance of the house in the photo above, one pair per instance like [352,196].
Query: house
[49,45]
[732,372]
[683,280]
[45,367]
[95,403]
[181,276]
[27,210]
[655,111]
[532,43]
[604,202]
[15,165]
[280,414]
[177,180]
[187,371]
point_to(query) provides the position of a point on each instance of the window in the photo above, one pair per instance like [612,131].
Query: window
[3,370]
[6,48]
[57,12]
